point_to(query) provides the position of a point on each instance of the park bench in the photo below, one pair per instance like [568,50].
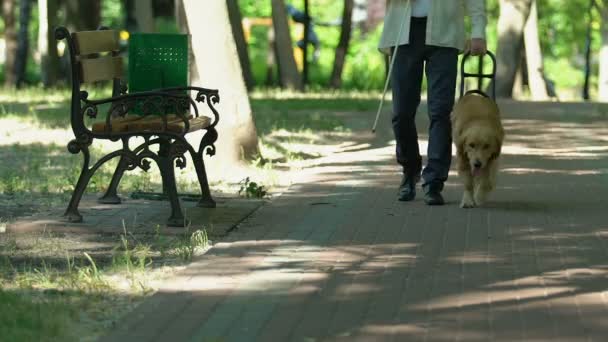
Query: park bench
[164,117]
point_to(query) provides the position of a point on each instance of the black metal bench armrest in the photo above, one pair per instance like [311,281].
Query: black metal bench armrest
[211,96]
[161,103]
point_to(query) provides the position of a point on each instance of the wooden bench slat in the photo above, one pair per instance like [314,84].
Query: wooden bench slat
[90,42]
[100,69]
[118,124]
[197,124]
[174,124]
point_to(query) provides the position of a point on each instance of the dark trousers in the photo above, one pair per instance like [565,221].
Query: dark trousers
[441,65]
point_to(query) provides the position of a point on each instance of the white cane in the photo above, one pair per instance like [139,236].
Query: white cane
[390,73]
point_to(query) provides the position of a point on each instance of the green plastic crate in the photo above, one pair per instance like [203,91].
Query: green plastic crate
[156,61]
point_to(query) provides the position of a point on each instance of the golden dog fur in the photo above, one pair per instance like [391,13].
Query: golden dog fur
[478,135]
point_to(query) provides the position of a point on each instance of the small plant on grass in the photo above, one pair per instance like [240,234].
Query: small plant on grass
[187,246]
[9,185]
[83,278]
[251,189]
[133,258]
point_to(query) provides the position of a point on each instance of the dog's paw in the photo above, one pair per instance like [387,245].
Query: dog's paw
[467,201]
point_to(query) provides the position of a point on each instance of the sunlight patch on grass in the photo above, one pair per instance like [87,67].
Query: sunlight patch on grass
[34,94]
[87,283]
[326,94]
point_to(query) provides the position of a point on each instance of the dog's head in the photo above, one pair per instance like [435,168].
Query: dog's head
[481,145]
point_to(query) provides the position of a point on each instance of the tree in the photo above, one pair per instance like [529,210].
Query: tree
[164,8]
[236,22]
[215,64]
[513,17]
[10,37]
[23,41]
[342,49]
[289,77]
[47,46]
[534,56]
[83,14]
[603,78]
[144,15]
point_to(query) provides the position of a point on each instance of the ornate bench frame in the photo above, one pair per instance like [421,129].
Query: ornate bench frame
[168,115]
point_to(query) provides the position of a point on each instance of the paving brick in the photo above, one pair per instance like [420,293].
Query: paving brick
[338,258]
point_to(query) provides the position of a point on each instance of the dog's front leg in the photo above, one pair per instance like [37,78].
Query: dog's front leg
[467,196]
[485,184]
[481,193]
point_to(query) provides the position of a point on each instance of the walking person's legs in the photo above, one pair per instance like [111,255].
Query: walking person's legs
[441,72]
[406,86]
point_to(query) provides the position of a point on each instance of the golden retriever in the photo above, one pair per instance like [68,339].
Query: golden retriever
[478,136]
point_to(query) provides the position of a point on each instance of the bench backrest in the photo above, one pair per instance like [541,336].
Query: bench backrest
[97,55]
[94,56]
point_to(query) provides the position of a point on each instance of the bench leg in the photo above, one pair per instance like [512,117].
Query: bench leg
[111,195]
[71,212]
[206,200]
[165,164]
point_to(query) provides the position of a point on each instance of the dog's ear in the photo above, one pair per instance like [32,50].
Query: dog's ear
[499,143]
[496,153]
[460,139]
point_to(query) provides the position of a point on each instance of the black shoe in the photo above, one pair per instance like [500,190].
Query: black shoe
[433,197]
[407,189]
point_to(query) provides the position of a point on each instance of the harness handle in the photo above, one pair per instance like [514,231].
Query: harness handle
[479,75]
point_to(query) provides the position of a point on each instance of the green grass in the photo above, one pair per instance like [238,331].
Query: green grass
[35,318]
[321,99]
[42,277]
[47,170]
[49,294]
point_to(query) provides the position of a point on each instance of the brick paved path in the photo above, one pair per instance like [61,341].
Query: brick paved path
[338,258]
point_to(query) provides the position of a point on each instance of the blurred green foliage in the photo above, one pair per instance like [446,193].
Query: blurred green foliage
[562,31]
[562,27]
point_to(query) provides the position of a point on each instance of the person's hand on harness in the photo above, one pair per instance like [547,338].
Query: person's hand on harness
[476,47]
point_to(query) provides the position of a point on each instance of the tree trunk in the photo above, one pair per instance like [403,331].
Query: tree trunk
[270,58]
[603,78]
[164,8]
[289,77]
[307,31]
[236,22]
[342,49]
[144,15]
[10,37]
[520,82]
[130,19]
[513,16]
[216,60]
[90,10]
[534,57]
[47,45]
[83,15]
[23,41]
